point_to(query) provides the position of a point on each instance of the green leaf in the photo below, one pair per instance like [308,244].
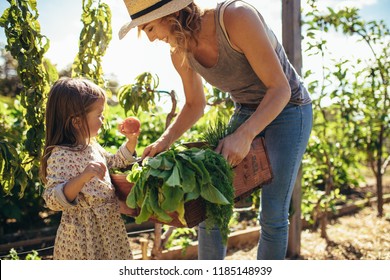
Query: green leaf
[160,214]
[187,175]
[131,201]
[173,196]
[205,175]
[212,194]
[164,175]
[166,163]
[146,211]
[198,171]
[181,211]
[154,162]
[174,179]
[192,195]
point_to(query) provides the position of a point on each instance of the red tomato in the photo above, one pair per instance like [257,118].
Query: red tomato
[131,125]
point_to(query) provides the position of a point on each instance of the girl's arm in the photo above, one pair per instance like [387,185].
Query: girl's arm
[248,35]
[126,153]
[192,111]
[73,187]
[131,142]
[62,186]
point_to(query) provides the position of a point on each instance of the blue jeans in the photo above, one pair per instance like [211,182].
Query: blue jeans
[286,139]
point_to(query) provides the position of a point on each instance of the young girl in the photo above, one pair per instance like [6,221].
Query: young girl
[75,172]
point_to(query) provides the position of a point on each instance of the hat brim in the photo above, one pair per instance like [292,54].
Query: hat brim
[167,9]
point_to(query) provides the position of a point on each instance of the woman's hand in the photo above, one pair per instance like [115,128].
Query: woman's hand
[155,148]
[234,148]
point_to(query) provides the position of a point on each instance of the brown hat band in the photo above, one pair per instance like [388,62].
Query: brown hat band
[150,9]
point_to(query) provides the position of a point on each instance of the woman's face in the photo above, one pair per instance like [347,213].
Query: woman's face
[95,117]
[158,29]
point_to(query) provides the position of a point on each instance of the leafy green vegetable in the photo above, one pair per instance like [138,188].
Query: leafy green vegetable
[215,132]
[164,183]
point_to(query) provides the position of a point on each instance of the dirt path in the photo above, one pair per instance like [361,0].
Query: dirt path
[362,236]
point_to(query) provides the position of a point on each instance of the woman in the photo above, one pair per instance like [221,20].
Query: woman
[232,48]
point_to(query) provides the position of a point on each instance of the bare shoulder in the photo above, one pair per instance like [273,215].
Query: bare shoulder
[239,13]
[242,23]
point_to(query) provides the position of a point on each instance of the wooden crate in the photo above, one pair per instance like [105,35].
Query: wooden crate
[253,171]
[249,175]
[194,210]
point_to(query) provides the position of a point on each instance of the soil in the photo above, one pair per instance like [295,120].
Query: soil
[359,236]
[362,236]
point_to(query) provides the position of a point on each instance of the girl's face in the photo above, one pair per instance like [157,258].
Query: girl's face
[95,117]
[158,29]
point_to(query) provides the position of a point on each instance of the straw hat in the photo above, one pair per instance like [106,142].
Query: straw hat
[144,11]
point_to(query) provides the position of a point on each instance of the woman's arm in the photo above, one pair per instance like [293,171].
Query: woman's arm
[192,111]
[248,35]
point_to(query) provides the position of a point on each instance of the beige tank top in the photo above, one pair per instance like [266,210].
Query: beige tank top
[233,74]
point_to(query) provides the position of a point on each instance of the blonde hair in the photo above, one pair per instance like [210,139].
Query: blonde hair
[185,26]
[69,98]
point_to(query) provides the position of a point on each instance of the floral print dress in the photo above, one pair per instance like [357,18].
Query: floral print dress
[91,226]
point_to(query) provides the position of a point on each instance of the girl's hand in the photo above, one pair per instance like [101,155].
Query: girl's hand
[74,186]
[94,169]
[130,136]
[233,148]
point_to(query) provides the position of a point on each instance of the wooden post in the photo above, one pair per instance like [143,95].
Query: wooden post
[291,32]
[144,248]
[291,35]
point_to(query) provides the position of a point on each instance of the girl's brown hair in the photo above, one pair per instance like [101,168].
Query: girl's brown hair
[69,98]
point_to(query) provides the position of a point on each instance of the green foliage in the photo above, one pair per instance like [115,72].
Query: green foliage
[165,182]
[351,108]
[140,95]
[94,40]
[152,126]
[215,132]
[13,255]
[20,211]
[25,43]
[182,237]
[216,97]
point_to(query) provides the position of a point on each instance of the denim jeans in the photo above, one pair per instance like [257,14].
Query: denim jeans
[286,139]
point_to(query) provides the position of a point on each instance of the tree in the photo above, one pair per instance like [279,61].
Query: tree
[358,90]
[25,43]
[94,40]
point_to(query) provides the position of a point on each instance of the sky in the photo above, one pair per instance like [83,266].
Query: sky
[125,59]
